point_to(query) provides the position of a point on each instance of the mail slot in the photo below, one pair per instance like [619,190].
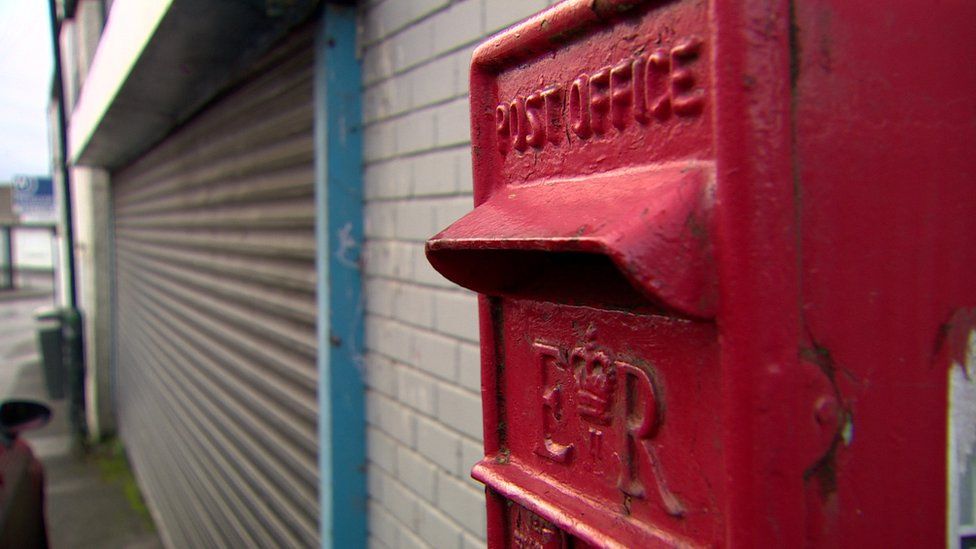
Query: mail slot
[659,366]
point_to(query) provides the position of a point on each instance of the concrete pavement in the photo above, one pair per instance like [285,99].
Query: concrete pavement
[92,500]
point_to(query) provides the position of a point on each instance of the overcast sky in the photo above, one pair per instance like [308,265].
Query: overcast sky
[25,79]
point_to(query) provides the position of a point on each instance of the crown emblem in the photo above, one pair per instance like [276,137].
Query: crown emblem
[595,379]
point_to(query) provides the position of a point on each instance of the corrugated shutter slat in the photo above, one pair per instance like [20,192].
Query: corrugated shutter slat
[215,311]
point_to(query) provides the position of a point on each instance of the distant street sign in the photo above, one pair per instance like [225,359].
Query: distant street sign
[33,194]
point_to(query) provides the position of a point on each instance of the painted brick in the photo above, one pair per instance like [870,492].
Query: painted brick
[437,530]
[422,362]
[380,295]
[469,366]
[415,131]
[432,82]
[451,210]
[457,314]
[381,220]
[401,346]
[376,479]
[378,62]
[465,175]
[462,64]
[375,105]
[434,354]
[460,25]
[392,16]
[417,390]
[378,101]
[379,140]
[417,474]
[382,526]
[459,409]
[403,504]
[413,45]
[383,447]
[393,418]
[377,258]
[382,100]
[409,540]
[381,374]
[438,444]
[470,542]
[377,182]
[453,121]
[388,259]
[471,453]
[406,260]
[503,13]
[386,180]
[463,503]
[416,220]
[437,173]
[414,305]
[392,339]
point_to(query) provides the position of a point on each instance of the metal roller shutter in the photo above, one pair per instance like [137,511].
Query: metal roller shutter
[215,308]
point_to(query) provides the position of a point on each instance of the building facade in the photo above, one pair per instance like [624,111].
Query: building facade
[262,329]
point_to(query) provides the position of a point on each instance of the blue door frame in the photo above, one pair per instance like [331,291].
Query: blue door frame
[339,234]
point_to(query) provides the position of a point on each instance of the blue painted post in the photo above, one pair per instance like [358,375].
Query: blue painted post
[339,235]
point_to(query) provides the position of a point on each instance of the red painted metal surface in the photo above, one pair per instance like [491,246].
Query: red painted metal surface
[505,245]
[720,247]
[887,202]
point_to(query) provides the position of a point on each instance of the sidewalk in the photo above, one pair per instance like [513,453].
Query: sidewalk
[92,501]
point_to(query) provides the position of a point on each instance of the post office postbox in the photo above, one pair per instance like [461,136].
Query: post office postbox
[690,320]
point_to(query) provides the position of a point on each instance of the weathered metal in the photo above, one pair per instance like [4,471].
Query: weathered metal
[719,246]
[215,308]
[339,237]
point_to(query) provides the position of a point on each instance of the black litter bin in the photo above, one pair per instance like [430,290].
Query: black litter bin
[52,357]
[74,368]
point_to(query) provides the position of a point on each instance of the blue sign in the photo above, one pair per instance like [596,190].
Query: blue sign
[33,194]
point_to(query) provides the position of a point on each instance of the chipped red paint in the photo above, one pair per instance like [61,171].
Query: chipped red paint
[718,245]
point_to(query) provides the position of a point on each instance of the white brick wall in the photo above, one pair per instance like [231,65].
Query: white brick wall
[423,400]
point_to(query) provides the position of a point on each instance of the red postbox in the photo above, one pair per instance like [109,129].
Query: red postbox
[725,252]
